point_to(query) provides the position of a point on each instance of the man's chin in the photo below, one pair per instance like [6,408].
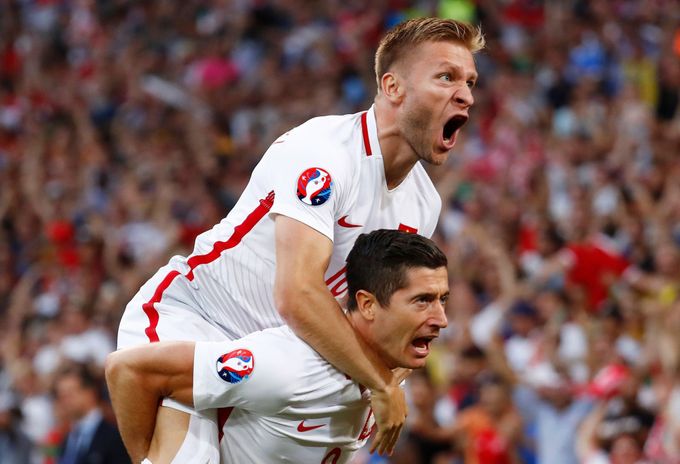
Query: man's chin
[439,160]
[437,157]
[414,363]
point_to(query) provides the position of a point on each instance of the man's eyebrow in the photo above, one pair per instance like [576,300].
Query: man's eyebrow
[432,295]
[449,64]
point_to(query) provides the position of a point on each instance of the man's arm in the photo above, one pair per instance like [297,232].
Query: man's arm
[302,298]
[138,378]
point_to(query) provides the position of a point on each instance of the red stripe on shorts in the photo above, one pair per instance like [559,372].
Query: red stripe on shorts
[150,309]
[364,131]
[240,231]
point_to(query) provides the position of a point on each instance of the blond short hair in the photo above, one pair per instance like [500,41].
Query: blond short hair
[401,39]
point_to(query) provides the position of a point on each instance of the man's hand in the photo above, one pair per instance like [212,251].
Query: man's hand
[389,409]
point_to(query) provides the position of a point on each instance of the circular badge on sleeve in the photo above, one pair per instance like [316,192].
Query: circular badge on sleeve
[236,365]
[314,187]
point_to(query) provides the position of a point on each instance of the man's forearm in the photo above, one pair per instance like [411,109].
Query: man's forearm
[134,405]
[138,378]
[302,258]
[328,331]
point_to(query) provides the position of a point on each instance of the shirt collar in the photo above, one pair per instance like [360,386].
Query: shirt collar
[372,128]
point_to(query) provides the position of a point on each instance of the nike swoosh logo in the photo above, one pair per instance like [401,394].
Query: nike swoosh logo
[343,222]
[304,428]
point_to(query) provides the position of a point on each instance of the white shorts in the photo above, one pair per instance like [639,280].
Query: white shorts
[163,310]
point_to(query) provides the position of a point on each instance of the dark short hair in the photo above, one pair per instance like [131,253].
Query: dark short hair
[88,380]
[379,260]
[472,352]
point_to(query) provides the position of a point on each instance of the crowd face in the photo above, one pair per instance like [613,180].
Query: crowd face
[73,398]
[494,398]
[438,80]
[625,450]
[403,330]
[422,394]
[668,260]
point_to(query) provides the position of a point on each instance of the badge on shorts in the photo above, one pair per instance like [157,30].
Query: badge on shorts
[314,186]
[236,365]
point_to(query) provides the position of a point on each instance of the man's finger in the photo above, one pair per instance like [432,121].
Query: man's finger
[397,433]
[386,444]
[389,445]
[383,443]
[400,374]
[377,440]
[380,439]
[390,440]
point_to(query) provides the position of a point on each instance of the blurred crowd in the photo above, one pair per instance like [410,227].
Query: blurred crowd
[128,127]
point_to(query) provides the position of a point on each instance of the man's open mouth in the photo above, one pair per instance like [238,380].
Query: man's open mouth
[422,344]
[452,126]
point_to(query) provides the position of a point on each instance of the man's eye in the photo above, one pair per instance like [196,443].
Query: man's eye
[471,84]
[445,77]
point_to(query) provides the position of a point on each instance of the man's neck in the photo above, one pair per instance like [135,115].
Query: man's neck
[360,327]
[398,156]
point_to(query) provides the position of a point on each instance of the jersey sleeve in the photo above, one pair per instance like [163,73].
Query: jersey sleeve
[311,177]
[253,373]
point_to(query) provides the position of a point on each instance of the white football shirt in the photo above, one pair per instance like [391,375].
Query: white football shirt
[327,173]
[289,404]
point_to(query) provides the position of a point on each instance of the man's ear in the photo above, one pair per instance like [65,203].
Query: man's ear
[391,87]
[366,304]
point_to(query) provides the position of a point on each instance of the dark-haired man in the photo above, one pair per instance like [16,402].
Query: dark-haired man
[279,255]
[289,404]
[91,439]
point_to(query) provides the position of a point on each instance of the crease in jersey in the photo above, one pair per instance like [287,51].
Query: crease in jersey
[222,417]
[240,231]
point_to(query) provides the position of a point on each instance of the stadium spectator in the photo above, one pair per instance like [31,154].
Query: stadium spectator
[15,446]
[91,438]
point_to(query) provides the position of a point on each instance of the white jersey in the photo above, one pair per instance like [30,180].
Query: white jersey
[287,404]
[327,173]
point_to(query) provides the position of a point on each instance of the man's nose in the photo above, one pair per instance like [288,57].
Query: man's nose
[463,96]
[439,315]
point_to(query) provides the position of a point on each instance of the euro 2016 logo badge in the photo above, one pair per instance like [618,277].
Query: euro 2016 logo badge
[235,366]
[314,186]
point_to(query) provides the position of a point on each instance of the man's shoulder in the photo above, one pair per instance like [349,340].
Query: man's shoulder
[282,345]
[330,123]
[295,373]
[295,354]
[106,439]
[324,133]
[105,430]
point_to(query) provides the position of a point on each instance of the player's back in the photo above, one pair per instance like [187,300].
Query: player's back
[291,406]
[327,173]
[233,264]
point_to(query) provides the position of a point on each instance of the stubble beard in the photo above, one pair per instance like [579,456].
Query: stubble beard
[416,130]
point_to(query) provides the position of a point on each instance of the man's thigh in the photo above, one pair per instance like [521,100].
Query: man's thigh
[164,310]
